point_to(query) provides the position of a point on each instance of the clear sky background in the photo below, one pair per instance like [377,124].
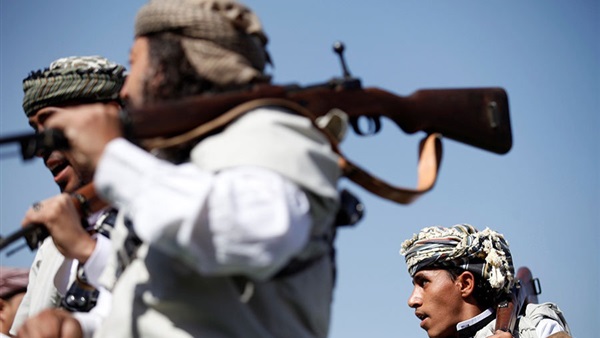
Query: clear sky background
[543,195]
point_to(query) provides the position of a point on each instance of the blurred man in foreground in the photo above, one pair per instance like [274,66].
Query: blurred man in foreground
[233,238]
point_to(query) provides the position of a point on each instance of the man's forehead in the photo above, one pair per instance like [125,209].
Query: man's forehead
[428,272]
[140,45]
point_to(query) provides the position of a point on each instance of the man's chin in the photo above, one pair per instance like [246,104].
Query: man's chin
[69,187]
[62,186]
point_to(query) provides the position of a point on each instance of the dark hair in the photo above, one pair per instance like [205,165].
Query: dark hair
[13,293]
[178,77]
[483,293]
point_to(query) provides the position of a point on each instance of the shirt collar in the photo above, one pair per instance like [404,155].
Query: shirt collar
[469,327]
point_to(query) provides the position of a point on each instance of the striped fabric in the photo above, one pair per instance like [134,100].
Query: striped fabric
[72,79]
[12,281]
[485,253]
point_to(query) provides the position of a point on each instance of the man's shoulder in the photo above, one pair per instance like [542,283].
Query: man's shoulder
[545,314]
[266,116]
[543,310]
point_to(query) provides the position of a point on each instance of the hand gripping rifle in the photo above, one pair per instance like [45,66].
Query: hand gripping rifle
[524,292]
[85,200]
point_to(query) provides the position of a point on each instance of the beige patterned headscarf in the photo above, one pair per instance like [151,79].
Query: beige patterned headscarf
[222,39]
[484,253]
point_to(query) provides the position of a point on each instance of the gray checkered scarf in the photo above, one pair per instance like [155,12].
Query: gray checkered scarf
[72,79]
[12,281]
[484,253]
[222,39]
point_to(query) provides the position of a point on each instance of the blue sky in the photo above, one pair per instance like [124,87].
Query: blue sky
[543,195]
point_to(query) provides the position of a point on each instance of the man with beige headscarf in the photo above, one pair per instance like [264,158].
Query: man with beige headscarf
[460,275]
[235,240]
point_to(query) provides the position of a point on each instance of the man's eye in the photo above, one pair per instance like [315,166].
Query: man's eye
[420,282]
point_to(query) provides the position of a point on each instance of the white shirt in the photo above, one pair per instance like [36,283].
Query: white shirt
[185,191]
[50,278]
[546,327]
[216,213]
[93,267]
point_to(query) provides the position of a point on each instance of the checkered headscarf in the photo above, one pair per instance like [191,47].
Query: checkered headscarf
[12,281]
[484,253]
[222,39]
[72,79]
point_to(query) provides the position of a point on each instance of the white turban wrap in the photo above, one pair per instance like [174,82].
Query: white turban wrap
[484,253]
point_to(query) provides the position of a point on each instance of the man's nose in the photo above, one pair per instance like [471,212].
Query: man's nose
[415,299]
[124,92]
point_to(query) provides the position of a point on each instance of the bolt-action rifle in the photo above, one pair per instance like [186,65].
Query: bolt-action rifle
[476,116]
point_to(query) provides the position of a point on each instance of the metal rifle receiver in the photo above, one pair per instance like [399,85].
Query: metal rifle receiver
[338,48]
[347,81]
[33,144]
[351,209]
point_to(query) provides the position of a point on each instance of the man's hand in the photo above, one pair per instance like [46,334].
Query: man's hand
[55,323]
[88,128]
[501,334]
[59,216]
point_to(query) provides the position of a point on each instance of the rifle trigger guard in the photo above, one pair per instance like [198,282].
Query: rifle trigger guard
[537,287]
[373,125]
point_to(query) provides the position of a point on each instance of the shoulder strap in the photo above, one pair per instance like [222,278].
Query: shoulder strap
[430,151]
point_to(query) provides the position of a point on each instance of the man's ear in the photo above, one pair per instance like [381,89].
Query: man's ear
[114,103]
[466,282]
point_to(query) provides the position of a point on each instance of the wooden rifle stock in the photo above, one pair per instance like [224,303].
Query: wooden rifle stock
[475,116]
[524,292]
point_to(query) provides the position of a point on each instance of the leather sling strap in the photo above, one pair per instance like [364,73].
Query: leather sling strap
[430,151]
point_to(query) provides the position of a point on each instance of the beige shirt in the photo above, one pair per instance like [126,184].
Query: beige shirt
[540,321]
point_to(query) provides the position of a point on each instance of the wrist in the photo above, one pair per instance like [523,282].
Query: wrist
[85,248]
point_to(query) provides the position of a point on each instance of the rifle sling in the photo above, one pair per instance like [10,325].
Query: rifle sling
[430,151]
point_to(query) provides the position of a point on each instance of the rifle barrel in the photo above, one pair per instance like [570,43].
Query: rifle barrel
[24,231]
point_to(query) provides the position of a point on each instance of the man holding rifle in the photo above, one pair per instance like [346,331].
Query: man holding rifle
[460,275]
[236,241]
[57,271]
